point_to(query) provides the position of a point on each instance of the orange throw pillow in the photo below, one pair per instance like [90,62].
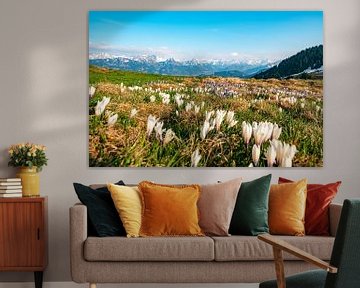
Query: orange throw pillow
[318,200]
[169,210]
[287,204]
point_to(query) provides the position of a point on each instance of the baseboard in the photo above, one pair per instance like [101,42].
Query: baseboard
[74,285]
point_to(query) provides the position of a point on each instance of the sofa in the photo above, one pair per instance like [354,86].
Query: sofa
[233,259]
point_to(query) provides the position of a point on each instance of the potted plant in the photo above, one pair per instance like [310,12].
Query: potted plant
[30,158]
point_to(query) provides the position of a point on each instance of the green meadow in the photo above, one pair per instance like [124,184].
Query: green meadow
[180,104]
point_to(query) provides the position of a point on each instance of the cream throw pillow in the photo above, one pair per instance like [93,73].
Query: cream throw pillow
[216,206]
[127,201]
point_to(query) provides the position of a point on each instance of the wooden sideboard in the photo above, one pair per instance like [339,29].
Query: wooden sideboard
[23,235]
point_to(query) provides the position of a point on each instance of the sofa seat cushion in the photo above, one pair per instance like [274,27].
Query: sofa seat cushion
[149,249]
[245,248]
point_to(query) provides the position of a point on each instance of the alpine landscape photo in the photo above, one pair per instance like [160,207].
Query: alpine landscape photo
[205,89]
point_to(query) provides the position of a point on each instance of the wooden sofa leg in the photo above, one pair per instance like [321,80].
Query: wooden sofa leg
[92,285]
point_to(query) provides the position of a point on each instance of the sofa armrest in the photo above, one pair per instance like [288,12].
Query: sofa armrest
[78,235]
[334,216]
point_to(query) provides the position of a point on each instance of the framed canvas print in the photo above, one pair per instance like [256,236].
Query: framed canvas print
[205,88]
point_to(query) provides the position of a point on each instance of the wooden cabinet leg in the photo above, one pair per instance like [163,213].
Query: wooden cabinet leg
[92,285]
[38,279]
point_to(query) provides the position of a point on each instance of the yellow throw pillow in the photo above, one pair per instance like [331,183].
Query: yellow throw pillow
[127,201]
[287,204]
[169,210]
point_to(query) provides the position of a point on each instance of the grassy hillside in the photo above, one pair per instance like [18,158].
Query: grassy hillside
[295,105]
[103,75]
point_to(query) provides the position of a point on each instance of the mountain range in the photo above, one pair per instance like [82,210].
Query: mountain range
[194,67]
[307,62]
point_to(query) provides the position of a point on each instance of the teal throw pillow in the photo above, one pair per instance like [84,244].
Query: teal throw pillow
[250,216]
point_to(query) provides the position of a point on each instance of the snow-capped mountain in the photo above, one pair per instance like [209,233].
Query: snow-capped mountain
[193,67]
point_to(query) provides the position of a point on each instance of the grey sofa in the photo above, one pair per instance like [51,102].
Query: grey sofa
[234,259]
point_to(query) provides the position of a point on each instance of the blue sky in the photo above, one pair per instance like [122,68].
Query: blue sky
[205,35]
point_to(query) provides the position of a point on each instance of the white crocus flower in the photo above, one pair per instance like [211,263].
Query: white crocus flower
[92,91]
[246,132]
[219,118]
[178,100]
[280,150]
[284,153]
[133,112]
[276,132]
[152,98]
[195,158]
[302,105]
[280,110]
[188,107]
[212,124]
[204,129]
[112,119]
[101,105]
[232,123]
[165,98]
[230,119]
[286,162]
[151,122]
[196,109]
[269,130]
[169,135]
[208,115]
[256,154]
[158,130]
[254,127]
[230,116]
[261,132]
[270,155]
[292,151]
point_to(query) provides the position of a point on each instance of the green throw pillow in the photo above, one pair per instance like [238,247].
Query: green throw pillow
[250,215]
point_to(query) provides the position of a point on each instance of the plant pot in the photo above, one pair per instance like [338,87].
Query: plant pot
[30,181]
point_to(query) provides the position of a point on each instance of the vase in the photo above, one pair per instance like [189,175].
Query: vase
[30,181]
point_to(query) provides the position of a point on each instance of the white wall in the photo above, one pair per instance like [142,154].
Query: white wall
[43,90]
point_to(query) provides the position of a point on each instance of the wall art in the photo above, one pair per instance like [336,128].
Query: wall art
[205,88]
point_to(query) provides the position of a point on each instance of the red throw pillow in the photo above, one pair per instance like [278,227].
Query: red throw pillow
[319,197]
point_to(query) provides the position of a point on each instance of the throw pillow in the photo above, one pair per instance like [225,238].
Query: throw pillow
[250,215]
[101,211]
[287,204]
[216,206]
[169,210]
[319,197]
[127,201]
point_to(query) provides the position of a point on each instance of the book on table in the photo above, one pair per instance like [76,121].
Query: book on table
[2,188]
[6,180]
[10,184]
[9,195]
[11,191]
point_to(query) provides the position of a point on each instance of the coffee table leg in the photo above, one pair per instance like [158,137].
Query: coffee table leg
[38,279]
